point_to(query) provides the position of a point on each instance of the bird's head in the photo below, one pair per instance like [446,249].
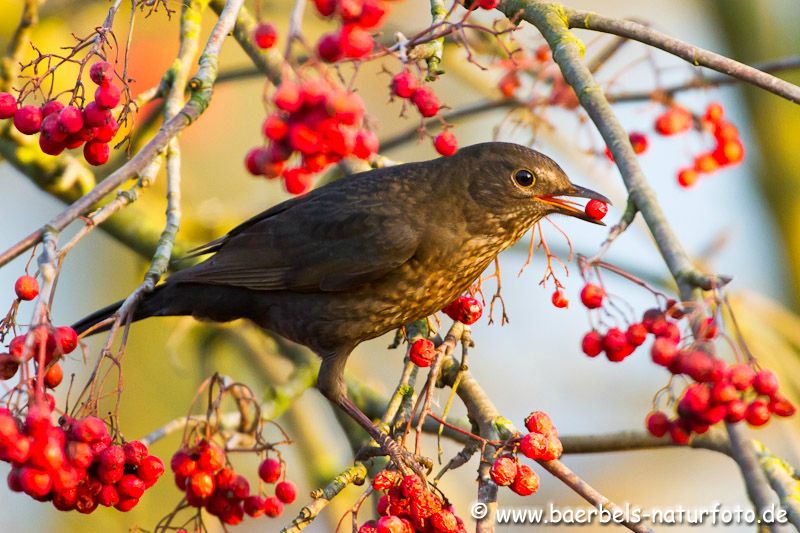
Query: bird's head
[520,185]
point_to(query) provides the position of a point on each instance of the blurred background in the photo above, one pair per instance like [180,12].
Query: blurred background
[739,221]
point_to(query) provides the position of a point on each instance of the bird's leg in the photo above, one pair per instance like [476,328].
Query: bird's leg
[330,383]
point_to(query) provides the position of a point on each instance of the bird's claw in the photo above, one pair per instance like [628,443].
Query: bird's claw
[406,461]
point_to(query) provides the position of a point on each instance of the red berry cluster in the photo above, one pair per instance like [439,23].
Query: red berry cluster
[67,127]
[202,472]
[55,342]
[353,39]
[76,467]
[316,119]
[464,309]
[422,352]
[540,444]
[406,86]
[724,392]
[728,148]
[409,506]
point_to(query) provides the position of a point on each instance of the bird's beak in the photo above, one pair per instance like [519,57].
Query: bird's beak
[573,209]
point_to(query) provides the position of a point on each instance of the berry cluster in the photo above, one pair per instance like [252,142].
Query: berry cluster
[406,86]
[52,342]
[67,127]
[727,150]
[464,309]
[76,467]
[352,40]
[409,506]
[720,391]
[316,119]
[209,482]
[724,392]
[540,444]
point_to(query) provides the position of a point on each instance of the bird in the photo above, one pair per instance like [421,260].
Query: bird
[366,254]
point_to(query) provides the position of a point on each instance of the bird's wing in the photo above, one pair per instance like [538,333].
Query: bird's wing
[324,242]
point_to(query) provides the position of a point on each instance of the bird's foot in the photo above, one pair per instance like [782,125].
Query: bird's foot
[405,460]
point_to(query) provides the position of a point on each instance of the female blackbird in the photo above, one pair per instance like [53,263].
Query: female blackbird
[367,254]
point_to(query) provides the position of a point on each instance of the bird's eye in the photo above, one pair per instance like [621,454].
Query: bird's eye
[524,178]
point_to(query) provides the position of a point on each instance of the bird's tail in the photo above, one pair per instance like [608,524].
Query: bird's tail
[149,306]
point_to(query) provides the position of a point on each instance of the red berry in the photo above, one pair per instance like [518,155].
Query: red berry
[729,152]
[372,14]
[34,482]
[559,300]
[201,484]
[723,392]
[304,139]
[328,48]
[346,107]
[101,72]
[28,119]
[50,107]
[108,496]
[657,424]
[765,382]
[8,105]
[53,376]
[714,112]
[596,209]
[735,411]
[106,132]
[705,163]
[781,406]
[757,413]
[107,96]
[592,343]
[253,506]
[70,119]
[687,177]
[422,353]
[126,504]
[504,471]
[404,84]
[426,101]
[286,491]
[592,295]
[183,464]
[26,287]
[366,144]
[636,334]
[533,445]
[639,142]
[95,116]
[67,339]
[131,486]
[49,146]
[79,454]
[8,369]
[446,143]
[211,458]
[134,451]
[297,181]
[526,482]
[265,35]
[664,351]
[270,470]
[96,153]
[287,97]
[554,449]
[273,507]
[675,120]
[539,422]
[725,131]
[444,521]
[354,41]
[275,128]
[741,375]
[385,479]
[679,434]
[150,469]
[464,309]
